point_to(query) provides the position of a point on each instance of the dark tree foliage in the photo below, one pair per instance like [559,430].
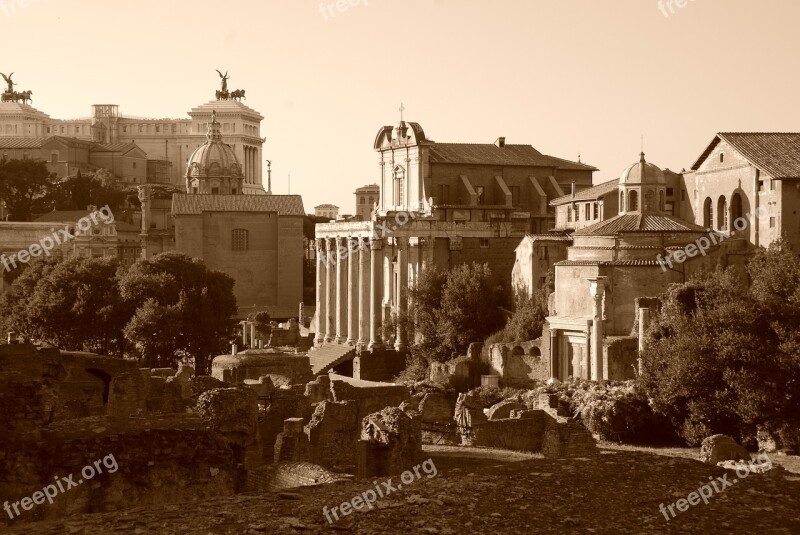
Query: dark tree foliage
[24,186]
[722,357]
[183,309]
[451,309]
[73,304]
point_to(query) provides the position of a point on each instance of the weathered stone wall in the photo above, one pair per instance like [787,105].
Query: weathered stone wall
[620,357]
[378,365]
[282,368]
[519,363]
[369,397]
[160,460]
[333,435]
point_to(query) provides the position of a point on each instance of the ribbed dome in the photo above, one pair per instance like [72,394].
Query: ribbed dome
[642,173]
[214,158]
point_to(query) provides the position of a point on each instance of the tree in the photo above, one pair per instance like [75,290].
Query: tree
[530,313]
[195,302]
[24,184]
[100,188]
[724,358]
[452,309]
[72,304]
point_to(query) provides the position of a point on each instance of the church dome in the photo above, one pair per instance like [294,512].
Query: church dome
[642,172]
[214,158]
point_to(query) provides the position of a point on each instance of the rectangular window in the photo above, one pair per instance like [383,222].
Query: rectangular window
[569,214]
[577,214]
[683,194]
[760,185]
[479,191]
[158,128]
[514,195]
[771,222]
[587,211]
[484,243]
[239,239]
[596,210]
[670,192]
[444,193]
[772,185]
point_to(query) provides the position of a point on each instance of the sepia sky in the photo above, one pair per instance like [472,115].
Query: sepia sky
[566,76]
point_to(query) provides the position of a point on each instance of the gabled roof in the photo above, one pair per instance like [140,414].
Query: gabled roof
[197,203]
[124,146]
[21,142]
[62,216]
[776,154]
[491,154]
[637,222]
[588,194]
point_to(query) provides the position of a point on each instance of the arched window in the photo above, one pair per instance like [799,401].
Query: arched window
[240,239]
[661,200]
[621,202]
[633,201]
[722,213]
[708,213]
[399,185]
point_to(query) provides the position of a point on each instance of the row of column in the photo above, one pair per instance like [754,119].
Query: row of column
[350,291]
[251,165]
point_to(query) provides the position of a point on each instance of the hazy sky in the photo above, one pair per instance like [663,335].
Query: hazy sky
[588,76]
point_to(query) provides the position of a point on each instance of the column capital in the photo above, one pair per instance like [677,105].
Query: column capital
[376,244]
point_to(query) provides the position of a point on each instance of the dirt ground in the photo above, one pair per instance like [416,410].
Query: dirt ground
[489,491]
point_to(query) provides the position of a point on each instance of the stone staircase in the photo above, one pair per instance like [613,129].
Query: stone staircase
[327,356]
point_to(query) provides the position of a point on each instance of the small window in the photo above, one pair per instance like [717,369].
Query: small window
[484,243]
[569,214]
[587,209]
[772,185]
[683,194]
[596,210]
[670,192]
[240,239]
[214,191]
[577,213]
[134,165]
[158,128]
[721,157]
[124,128]
[363,200]
[771,222]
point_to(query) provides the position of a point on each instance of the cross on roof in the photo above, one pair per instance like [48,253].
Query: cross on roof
[402,109]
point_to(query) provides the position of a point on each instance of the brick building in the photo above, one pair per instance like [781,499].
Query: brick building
[366,197]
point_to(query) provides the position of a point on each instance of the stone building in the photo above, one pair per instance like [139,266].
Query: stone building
[613,265]
[331,211]
[169,141]
[741,173]
[366,197]
[440,204]
[256,239]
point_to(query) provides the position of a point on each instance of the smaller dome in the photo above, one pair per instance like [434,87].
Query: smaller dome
[214,158]
[642,173]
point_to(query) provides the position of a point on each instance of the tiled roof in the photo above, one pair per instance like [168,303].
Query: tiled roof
[62,216]
[549,237]
[113,147]
[588,194]
[491,154]
[285,205]
[608,263]
[637,222]
[21,142]
[777,154]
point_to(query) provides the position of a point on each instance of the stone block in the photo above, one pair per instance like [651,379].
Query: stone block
[718,448]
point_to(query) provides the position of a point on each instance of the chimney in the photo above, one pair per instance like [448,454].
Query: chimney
[500,142]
